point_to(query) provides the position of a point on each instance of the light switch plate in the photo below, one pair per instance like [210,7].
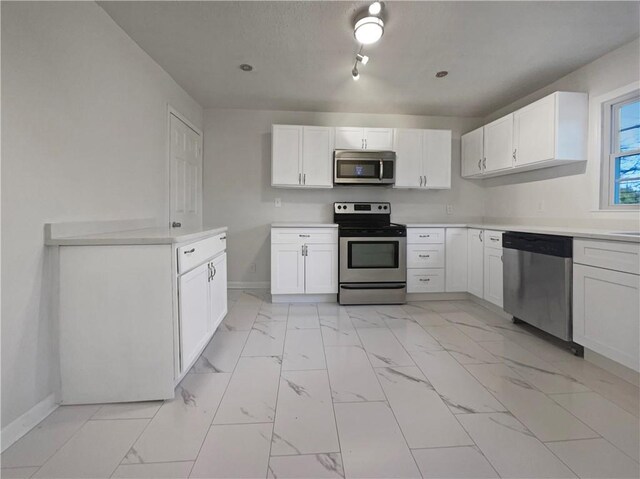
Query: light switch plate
[449,209]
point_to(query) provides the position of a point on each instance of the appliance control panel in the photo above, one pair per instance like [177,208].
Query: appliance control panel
[362,208]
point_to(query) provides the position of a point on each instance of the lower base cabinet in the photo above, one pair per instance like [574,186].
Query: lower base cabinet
[493,276]
[606,312]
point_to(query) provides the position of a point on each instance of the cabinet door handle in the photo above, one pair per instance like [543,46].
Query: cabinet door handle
[515,154]
[189,251]
[299,178]
[222,238]
[423,256]
[425,280]
[365,143]
[484,163]
[480,164]
[304,179]
[481,236]
[214,271]
[425,180]
[421,182]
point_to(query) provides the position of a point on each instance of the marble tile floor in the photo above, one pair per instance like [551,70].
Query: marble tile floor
[433,389]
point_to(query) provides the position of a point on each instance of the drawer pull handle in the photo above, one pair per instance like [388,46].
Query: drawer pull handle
[425,236]
[304,236]
[222,238]
[495,239]
[190,251]
[423,255]
[425,280]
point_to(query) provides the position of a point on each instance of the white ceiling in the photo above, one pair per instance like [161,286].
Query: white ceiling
[303,52]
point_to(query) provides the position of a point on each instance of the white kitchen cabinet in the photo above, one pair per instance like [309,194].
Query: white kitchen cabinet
[354,138]
[301,156]
[472,153]
[493,273]
[218,306]
[475,262]
[136,309]
[423,158]
[553,128]
[304,261]
[287,268]
[498,144]
[456,259]
[425,260]
[606,299]
[195,316]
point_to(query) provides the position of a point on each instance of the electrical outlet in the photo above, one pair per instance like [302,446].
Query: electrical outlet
[278,202]
[252,268]
[449,209]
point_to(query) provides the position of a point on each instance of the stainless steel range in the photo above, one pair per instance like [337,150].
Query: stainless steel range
[372,255]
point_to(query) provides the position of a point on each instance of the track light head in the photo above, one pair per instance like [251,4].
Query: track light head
[364,59]
[355,74]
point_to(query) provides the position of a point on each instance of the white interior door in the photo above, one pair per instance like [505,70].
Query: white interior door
[185,189]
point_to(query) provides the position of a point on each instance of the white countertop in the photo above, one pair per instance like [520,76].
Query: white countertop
[293,224]
[137,236]
[550,230]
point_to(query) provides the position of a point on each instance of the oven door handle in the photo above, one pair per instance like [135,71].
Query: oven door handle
[373,286]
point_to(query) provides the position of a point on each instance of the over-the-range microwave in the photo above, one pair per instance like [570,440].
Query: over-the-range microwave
[364,167]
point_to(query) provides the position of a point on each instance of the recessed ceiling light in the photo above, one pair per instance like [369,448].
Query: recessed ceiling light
[442,74]
[375,8]
[245,67]
[369,30]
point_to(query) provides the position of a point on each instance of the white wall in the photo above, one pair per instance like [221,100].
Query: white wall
[238,192]
[566,195]
[84,138]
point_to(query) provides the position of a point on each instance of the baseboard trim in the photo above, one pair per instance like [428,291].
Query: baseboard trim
[30,419]
[437,296]
[304,298]
[248,284]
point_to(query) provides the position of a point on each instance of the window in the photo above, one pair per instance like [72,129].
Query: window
[621,155]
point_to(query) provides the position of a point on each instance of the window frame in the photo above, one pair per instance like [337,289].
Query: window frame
[611,151]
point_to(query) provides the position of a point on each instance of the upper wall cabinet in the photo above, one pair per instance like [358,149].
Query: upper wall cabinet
[349,138]
[423,158]
[301,156]
[549,132]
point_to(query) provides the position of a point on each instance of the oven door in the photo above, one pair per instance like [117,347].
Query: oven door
[373,260]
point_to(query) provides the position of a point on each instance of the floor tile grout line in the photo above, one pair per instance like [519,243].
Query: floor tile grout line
[275,409]
[389,403]
[333,404]
[213,417]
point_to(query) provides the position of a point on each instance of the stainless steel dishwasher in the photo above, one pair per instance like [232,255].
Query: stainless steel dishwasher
[537,282]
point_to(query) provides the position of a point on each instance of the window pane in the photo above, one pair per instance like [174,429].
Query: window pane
[627,167]
[629,126]
[628,193]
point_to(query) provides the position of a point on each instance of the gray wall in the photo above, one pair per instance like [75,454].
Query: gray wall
[238,192]
[84,138]
[567,195]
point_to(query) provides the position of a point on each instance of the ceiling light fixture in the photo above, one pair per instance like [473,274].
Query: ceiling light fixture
[364,59]
[375,8]
[355,74]
[368,30]
[245,67]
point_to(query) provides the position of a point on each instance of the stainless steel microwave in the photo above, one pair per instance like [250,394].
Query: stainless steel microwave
[364,167]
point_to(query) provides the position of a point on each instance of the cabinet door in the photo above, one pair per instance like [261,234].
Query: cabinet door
[194,314]
[498,144]
[348,138]
[606,308]
[533,132]
[287,269]
[378,138]
[493,275]
[408,148]
[475,262]
[286,155]
[321,269]
[218,291]
[472,153]
[437,158]
[317,149]
[456,259]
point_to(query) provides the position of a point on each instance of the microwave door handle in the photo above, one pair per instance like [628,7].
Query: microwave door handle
[381,169]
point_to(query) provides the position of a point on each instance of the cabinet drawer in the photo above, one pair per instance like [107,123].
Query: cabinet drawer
[493,239]
[608,254]
[425,281]
[425,235]
[307,235]
[193,254]
[425,256]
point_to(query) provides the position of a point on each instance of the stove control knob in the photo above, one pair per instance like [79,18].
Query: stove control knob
[379,207]
[385,207]
[339,207]
[344,206]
